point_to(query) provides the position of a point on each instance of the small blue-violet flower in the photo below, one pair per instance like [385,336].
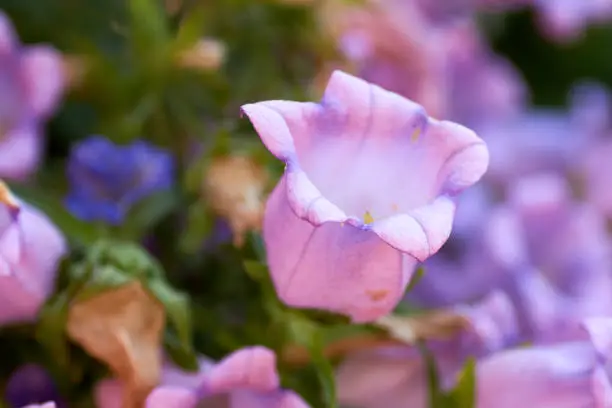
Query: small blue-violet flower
[31,84]
[108,179]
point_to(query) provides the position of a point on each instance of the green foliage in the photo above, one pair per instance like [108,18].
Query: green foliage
[463,395]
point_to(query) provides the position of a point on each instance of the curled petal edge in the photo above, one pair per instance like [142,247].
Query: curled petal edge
[420,232]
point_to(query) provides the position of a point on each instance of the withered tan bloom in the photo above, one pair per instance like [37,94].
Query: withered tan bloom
[234,187]
[75,68]
[123,328]
[376,34]
[432,325]
[173,6]
[207,54]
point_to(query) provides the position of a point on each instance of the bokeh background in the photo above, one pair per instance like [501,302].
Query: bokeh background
[530,77]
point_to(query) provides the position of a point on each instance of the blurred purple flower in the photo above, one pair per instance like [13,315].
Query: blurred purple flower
[108,179]
[368,191]
[566,240]
[568,243]
[30,250]
[590,109]
[566,20]
[444,10]
[496,88]
[31,385]
[31,84]
[246,378]
[482,254]
[549,253]
[533,142]
[596,165]
[396,377]
[390,44]
[571,374]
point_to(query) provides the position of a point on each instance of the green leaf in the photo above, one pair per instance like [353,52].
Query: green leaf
[416,278]
[147,214]
[325,371]
[177,308]
[103,278]
[149,24]
[309,335]
[436,398]
[191,27]
[200,223]
[464,393]
[183,357]
[259,273]
[194,176]
[127,257]
[256,242]
[256,270]
[50,333]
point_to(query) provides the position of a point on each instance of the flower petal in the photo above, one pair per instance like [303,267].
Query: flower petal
[171,397]
[286,128]
[276,399]
[251,368]
[366,110]
[363,152]
[20,152]
[44,75]
[420,233]
[8,38]
[465,156]
[561,376]
[108,393]
[340,268]
[376,379]
[600,333]
[273,130]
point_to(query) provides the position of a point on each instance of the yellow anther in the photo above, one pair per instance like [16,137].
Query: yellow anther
[415,134]
[367,218]
[7,198]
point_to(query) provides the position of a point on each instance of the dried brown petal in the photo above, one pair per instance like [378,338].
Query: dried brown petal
[123,328]
[173,6]
[75,68]
[235,189]
[206,54]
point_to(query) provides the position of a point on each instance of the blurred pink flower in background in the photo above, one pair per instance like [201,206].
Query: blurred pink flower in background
[391,44]
[396,377]
[566,20]
[31,84]
[571,374]
[31,248]
[246,378]
[369,190]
